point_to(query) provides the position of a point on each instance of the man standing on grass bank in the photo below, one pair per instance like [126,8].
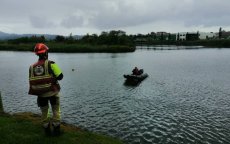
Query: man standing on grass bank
[43,81]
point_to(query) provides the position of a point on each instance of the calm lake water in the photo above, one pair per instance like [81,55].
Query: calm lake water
[185,99]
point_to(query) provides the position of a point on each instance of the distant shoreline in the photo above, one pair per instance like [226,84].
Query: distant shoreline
[215,43]
[89,48]
[70,48]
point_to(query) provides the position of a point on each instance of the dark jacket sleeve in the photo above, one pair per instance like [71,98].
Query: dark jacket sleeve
[60,77]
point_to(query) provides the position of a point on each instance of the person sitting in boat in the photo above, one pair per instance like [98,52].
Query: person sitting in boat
[136,71]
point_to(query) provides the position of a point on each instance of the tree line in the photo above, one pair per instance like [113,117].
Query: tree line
[120,38]
[105,38]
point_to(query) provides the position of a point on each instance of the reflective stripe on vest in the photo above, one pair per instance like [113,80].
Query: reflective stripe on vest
[45,82]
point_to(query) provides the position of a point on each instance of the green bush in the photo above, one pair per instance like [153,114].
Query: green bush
[69,48]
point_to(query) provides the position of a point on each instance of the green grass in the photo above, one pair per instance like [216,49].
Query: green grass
[25,128]
[69,48]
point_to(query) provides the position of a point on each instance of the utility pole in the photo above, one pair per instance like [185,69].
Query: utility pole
[220,33]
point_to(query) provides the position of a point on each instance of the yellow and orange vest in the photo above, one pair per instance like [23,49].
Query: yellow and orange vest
[41,79]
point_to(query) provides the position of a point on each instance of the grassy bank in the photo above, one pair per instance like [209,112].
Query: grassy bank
[69,48]
[207,43]
[24,128]
[216,43]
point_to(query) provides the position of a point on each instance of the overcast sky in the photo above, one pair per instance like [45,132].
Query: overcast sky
[80,17]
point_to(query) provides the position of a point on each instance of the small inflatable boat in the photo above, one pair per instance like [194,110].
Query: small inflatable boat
[136,77]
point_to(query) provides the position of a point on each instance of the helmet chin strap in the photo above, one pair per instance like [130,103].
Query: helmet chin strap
[43,56]
[47,55]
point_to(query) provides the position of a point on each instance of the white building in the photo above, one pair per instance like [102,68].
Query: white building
[181,36]
[206,35]
[202,35]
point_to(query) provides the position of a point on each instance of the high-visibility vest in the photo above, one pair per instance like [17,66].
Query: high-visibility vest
[41,80]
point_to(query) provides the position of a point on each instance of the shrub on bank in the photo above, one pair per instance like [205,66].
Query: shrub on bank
[61,47]
[69,48]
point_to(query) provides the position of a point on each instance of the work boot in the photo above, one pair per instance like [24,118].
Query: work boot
[47,129]
[56,130]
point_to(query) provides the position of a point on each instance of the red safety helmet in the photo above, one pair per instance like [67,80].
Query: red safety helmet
[40,48]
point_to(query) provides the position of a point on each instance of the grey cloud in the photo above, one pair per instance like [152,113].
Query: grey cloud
[112,14]
[191,12]
[206,13]
[126,13]
[117,15]
[72,21]
[41,22]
